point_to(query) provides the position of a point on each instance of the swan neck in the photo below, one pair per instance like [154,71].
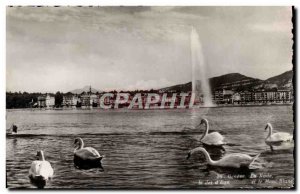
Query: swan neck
[80,145]
[206,129]
[207,156]
[42,156]
[270,131]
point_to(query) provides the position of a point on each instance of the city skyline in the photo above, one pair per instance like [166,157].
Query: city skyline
[127,48]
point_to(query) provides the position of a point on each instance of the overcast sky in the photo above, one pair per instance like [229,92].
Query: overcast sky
[53,49]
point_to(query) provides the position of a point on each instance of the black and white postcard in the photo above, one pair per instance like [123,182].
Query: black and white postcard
[150,97]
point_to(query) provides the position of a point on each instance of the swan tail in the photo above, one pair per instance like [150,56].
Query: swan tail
[39,181]
[39,178]
[100,165]
[255,158]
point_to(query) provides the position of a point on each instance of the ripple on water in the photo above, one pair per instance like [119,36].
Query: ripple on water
[148,149]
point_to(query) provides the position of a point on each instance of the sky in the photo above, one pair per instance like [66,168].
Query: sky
[51,49]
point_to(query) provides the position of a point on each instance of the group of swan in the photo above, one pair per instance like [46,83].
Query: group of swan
[235,160]
[84,158]
[87,157]
[41,171]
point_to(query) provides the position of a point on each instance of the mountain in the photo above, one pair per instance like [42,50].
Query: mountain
[180,87]
[84,89]
[283,80]
[227,79]
[215,82]
[240,82]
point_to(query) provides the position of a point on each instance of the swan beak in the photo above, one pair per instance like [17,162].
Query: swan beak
[201,123]
[266,127]
[188,156]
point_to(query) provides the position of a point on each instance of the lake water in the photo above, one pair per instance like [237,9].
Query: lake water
[147,149]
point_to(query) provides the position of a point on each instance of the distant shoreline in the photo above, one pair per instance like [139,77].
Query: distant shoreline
[253,105]
[196,107]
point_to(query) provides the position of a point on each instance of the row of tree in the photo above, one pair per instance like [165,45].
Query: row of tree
[28,100]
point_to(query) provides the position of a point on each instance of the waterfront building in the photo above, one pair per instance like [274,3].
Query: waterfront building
[285,95]
[223,96]
[41,101]
[276,96]
[70,100]
[247,96]
[88,99]
[227,96]
[94,100]
[218,96]
[236,98]
[85,100]
[47,101]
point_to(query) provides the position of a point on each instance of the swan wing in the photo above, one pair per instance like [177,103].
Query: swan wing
[34,168]
[235,160]
[213,138]
[46,170]
[88,153]
[41,168]
[280,137]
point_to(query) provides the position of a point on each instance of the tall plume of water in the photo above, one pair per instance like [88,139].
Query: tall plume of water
[199,71]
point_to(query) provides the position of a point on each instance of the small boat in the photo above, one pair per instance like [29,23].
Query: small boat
[12,130]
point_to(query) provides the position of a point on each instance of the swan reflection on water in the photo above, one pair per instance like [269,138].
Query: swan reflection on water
[215,152]
[230,173]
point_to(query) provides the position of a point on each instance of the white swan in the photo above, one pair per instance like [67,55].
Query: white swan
[276,139]
[211,139]
[236,160]
[40,171]
[86,158]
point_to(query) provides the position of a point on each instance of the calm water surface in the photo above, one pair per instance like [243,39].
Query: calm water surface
[147,149]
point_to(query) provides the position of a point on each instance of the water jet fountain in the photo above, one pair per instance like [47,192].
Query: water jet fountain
[199,87]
